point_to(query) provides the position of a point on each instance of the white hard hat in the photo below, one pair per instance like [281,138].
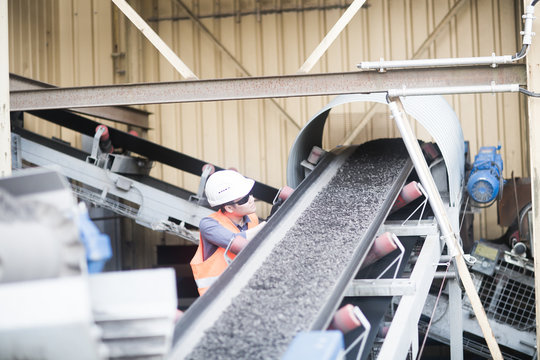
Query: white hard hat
[225,186]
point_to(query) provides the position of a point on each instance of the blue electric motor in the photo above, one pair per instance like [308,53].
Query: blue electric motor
[485,178]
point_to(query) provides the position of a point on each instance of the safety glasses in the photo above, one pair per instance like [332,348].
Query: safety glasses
[243,200]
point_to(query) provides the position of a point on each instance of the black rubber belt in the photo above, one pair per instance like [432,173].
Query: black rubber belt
[303,279]
[143,147]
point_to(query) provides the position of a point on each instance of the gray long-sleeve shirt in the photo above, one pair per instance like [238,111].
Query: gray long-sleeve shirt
[214,235]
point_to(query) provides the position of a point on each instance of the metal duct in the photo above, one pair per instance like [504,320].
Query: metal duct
[432,112]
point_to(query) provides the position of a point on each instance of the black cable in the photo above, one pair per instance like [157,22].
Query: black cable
[483,206]
[521,52]
[528,93]
[524,49]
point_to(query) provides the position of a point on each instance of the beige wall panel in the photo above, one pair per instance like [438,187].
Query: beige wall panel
[293,55]
[377,27]
[228,110]
[211,116]
[419,21]
[208,54]
[272,163]
[443,45]
[170,128]
[251,122]
[250,132]
[313,31]
[336,58]
[102,42]
[397,25]
[270,45]
[23,38]
[465,105]
[420,28]
[359,50]
[19,42]
[397,30]
[190,139]
[70,42]
[27,43]
[164,114]
[83,51]
[66,53]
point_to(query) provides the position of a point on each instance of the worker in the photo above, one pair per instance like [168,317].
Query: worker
[227,231]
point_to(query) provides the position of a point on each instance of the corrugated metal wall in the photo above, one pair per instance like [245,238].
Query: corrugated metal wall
[81,42]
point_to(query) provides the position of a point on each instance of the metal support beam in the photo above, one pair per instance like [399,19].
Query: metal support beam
[410,228]
[148,206]
[380,287]
[123,114]
[262,87]
[456,319]
[445,225]
[400,335]
[5,132]
[236,62]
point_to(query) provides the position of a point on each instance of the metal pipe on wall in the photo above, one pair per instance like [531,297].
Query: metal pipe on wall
[451,90]
[492,60]
[423,63]
[348,140]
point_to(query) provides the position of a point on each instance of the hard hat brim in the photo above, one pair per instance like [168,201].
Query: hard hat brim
[244,187]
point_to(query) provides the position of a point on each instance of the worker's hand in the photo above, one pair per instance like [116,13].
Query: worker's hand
[238,243]
[250,234]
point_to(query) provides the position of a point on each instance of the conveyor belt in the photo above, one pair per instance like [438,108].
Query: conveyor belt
[142,147]
[81,155]
[293,276]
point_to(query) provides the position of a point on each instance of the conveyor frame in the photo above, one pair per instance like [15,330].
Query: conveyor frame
[205,311]
[403,332]
[153,205]
[143,147]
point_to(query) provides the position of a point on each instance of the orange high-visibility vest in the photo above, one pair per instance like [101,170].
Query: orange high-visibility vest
[207,271]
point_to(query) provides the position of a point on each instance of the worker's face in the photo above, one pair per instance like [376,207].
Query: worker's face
[244,208]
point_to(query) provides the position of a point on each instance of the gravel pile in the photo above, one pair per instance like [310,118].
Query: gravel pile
[290,287]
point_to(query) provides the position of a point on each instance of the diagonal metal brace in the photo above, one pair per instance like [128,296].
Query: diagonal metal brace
[437,206]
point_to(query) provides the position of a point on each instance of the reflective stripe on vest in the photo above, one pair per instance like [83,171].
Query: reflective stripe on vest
[206,282]
[206,272]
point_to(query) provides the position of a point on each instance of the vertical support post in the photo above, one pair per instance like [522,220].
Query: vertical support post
[5,130]
[449,236]
[414,342]
[456,320]
[533,114]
